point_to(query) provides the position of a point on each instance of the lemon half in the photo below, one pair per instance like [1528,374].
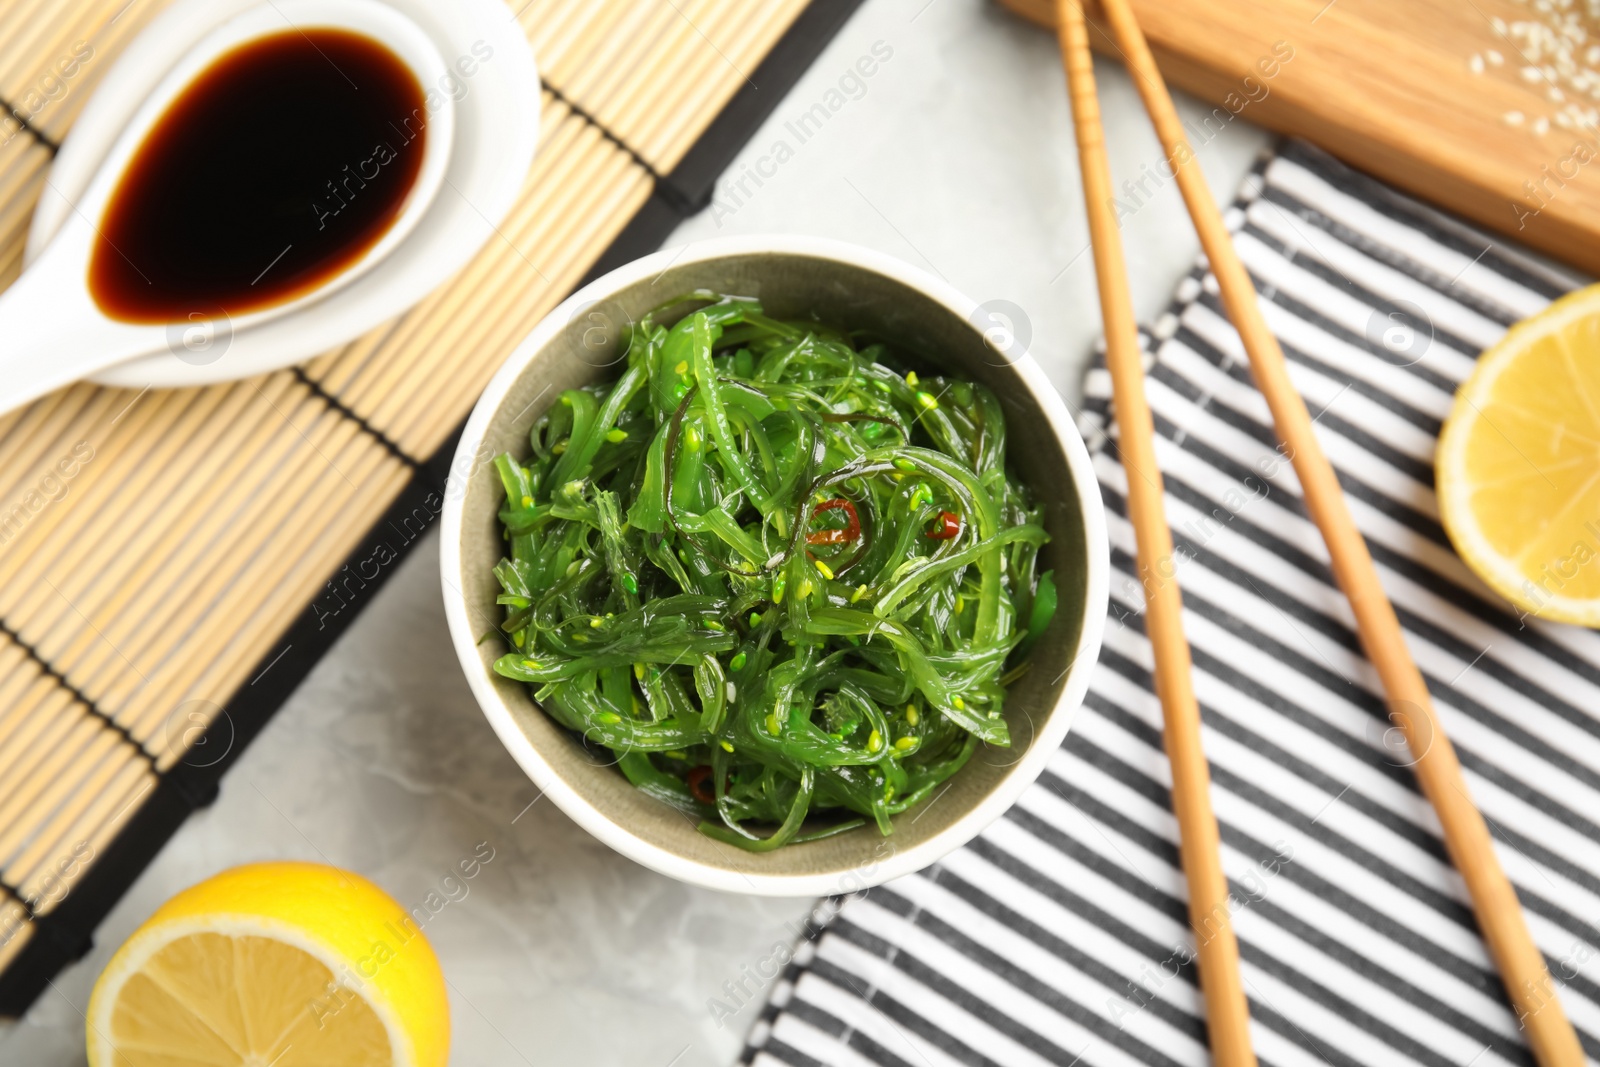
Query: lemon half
[280,964]
[1518,466]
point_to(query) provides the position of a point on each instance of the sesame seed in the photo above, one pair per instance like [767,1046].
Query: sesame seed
[682,367]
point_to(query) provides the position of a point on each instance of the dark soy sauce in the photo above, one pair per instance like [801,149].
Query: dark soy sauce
[279,166]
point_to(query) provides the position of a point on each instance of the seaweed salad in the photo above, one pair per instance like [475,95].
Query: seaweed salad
[781,577]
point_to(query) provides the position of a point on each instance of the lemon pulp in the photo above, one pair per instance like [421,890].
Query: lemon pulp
[273,965]
[1518,467]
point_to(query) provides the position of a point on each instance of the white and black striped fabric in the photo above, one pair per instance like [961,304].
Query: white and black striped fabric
[1060,936]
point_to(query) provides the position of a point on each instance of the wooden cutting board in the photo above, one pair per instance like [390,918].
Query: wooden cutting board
[1389,87]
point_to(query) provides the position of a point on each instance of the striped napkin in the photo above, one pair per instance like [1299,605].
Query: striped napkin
[1059,936]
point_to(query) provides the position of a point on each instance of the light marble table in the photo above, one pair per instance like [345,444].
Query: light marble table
[956,156]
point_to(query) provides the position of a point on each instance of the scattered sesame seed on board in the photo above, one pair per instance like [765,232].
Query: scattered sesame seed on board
[1559,46]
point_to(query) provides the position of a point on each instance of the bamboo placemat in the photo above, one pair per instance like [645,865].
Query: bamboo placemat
[172,562]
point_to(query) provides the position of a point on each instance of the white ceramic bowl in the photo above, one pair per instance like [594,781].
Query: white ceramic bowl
[792,276]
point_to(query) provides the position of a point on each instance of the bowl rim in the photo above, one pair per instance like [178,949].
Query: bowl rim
[1024,772]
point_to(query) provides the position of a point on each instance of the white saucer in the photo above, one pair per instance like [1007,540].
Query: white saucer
[496,132]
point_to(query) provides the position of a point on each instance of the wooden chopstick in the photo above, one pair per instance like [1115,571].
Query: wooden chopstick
[1494,901]
[1227,1013]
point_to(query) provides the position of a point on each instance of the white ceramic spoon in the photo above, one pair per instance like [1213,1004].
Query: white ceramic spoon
[52,332]
[491,78]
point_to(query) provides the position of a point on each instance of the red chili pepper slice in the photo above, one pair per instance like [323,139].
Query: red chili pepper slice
[851,532]
[949,526]
[699,781]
